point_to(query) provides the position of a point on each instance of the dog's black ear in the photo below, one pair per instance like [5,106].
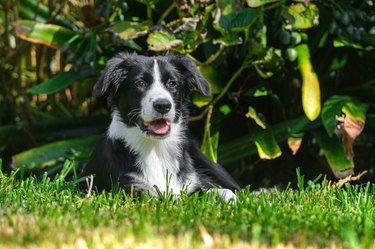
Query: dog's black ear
[115,71]
[188,70]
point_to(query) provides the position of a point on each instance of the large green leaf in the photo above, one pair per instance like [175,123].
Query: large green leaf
[257,3]
[26,12]
[227,21]
[310,83]
[335,154]
[161,41]
[263,136]
[59,82]
[331,109]
[36,10]
[302,15]
[243,19]
[336,105]
[227,7]
[46,34]
[265,141]
[129,30]
[47,155]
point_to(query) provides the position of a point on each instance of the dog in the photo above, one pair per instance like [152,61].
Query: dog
[147,145]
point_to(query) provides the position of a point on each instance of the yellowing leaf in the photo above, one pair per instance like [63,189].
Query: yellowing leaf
[254,115]
[310,83]
[47,34]
[200,100]
[161,41]
[302,15]
[129,30]
[265,142]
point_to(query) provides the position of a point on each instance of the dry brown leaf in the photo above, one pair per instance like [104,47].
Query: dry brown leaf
[294,144]
[351,129]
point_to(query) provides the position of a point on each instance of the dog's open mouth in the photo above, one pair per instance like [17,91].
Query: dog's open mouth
[158,127]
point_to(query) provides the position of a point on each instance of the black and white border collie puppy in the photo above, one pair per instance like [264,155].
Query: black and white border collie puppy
[147,143]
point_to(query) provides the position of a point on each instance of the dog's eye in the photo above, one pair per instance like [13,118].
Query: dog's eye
[171,84]
[140,84]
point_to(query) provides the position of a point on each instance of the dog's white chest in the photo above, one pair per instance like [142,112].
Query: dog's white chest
[160,170]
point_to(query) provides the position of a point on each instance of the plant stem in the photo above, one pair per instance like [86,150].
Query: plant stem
[193,59]
[149,14]
[272,6]
[206,134]
[167,12]
[229,84]
[213,57]
[222,93]
[210,59]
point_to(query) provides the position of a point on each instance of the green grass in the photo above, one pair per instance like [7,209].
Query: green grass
[53,213]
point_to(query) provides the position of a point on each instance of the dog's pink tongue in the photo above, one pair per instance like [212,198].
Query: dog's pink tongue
[160,127]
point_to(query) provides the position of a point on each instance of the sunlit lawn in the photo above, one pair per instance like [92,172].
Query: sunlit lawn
[48,213]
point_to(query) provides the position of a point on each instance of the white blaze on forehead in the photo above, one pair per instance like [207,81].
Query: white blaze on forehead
[157,76]
[156,91]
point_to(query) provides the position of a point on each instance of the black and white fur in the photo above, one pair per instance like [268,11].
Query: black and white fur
[147,143]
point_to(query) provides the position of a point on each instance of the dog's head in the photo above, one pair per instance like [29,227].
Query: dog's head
[149,92]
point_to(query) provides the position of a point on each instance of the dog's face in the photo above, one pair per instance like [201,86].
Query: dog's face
[149,92]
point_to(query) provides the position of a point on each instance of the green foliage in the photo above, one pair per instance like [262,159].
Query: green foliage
[302,15]
[49,155]
[263,137]
[254,53]
[335,153]
[46,34]
[59,82]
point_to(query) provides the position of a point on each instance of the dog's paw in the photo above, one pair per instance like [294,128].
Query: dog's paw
[225,194]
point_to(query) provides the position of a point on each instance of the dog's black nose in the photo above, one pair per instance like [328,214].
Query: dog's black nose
[162,105]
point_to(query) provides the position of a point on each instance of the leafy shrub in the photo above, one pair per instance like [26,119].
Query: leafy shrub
[282,72]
